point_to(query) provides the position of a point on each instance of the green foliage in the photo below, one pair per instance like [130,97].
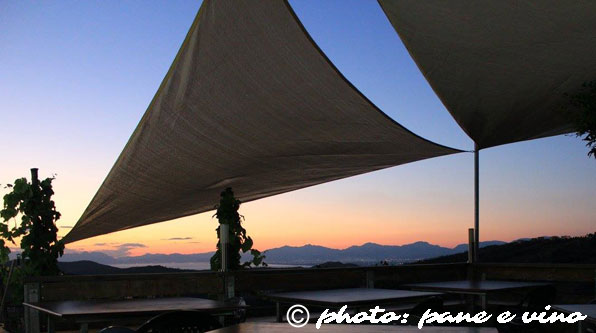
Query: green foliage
[32,204]
[227,213]
[16,282]
[585,121]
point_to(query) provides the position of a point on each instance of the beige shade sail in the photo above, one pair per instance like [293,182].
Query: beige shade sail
[501,67]
[251,103]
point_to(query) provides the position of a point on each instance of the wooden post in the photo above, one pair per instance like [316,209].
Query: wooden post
[224,236]
[31,291]
[370,279]
[51,325]
[228,281]
[230,286]
[34,177]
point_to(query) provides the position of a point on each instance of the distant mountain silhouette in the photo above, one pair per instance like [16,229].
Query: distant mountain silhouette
[537,250]
[149,258]
[93,268]
[362,254]
[464,247]
[334,264]
[576,250]
[368,253]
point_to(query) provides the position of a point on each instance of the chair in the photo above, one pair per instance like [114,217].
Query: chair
[239,315]
[180,321]
[116,329]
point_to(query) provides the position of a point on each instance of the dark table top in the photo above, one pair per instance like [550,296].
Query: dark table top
[285,327]
[129,306]
[585,309]
[481,286]
[352,296]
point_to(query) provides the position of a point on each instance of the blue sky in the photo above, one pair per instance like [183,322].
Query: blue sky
[77,76]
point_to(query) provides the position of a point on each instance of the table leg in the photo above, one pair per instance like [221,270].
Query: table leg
[483,301]
[51,327]
[278,312]
[471,300]
[84,327]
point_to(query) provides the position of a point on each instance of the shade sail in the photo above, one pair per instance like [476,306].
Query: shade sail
[251,103]
[501,67]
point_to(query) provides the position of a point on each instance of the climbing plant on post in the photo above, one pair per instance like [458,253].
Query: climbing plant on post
[33,203]
[227,213]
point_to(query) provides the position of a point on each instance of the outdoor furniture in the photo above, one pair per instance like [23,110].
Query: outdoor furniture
[352,297]
[586,309]
[180,321]
[538,298]
[478,288]
[310,328]
[85,312]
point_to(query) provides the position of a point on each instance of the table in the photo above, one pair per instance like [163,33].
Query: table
[585,309]
[310,328]
[84,312]
[477,287]
[352,297]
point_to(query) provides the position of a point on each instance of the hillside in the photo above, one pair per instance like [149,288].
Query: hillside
[576,250]
[84,267]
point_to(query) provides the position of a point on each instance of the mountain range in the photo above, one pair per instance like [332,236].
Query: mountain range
[296,255]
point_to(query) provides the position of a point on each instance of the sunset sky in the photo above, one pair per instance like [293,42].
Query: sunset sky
[77,76]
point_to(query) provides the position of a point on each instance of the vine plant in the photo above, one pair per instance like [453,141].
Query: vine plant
[32,202]
[227,213]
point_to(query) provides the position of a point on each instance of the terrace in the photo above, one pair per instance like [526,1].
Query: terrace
[575,284]
[252,103]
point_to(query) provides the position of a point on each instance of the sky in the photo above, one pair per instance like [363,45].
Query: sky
[77,76]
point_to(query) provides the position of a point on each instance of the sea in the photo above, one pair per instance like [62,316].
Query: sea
[200,265]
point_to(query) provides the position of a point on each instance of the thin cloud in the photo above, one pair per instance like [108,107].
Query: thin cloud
[121,250]
[177,238]
[131,245]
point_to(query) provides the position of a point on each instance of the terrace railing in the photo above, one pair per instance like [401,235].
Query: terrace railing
[575,283]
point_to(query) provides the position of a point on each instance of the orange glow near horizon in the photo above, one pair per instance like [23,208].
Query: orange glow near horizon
[309,217]
[348,212]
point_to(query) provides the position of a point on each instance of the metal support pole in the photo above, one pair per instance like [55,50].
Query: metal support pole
[476,204]
[471,249]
